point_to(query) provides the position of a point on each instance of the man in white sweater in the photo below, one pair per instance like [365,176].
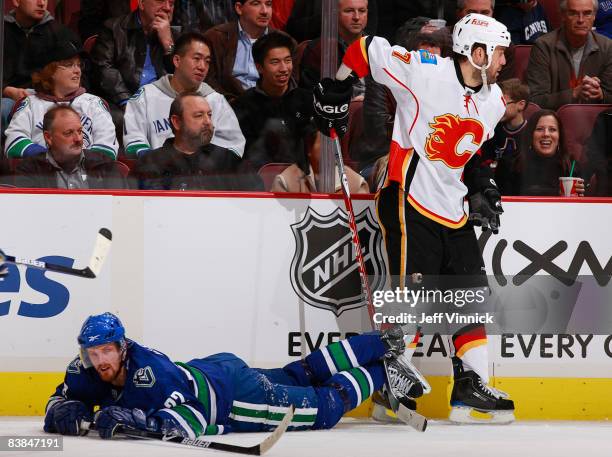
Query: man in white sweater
[146,121]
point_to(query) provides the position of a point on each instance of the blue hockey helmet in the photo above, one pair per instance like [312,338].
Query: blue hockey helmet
[100,329]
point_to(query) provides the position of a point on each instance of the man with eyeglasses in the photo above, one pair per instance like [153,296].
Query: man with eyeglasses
[572,64]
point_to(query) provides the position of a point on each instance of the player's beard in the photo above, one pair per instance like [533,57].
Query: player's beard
[109,374]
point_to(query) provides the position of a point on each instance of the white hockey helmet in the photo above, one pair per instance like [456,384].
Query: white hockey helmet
[477,28]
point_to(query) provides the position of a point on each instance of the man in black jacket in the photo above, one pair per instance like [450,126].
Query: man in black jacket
[66,165]
[189,161]
[134,50]
[275,116]
[30,33]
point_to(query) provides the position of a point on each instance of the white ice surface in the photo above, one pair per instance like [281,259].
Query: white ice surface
[361,438]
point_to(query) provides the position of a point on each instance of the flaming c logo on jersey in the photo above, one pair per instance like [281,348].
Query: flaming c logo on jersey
[454,139]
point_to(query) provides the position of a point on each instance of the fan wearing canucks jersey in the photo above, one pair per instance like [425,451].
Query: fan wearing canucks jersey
[141,388]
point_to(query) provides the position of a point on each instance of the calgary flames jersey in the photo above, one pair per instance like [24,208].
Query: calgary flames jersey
[439,124]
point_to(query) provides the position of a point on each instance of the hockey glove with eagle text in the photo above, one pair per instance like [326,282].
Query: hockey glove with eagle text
[331,105]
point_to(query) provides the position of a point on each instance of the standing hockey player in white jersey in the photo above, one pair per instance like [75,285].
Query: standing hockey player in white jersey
[446,109]
[146,120]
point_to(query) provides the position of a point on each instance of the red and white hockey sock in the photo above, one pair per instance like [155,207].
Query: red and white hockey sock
[470,345]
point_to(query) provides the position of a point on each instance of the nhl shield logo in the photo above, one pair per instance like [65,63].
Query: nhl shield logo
[324,271]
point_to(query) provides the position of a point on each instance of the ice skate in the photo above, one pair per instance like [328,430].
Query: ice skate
[473,402]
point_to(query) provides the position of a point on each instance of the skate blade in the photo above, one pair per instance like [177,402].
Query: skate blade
[384,415]
[467,415]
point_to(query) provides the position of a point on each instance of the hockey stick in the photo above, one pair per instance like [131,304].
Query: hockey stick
[257,449]
[103,243]
[414,419]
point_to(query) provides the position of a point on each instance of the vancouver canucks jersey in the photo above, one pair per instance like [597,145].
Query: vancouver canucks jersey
[439,124]
[196,395]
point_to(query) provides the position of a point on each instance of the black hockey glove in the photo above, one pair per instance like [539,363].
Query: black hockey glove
[108,420]
[331,105]
[65,418]
[485,208]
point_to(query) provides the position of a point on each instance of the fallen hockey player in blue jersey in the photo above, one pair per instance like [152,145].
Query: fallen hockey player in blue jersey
[141,388]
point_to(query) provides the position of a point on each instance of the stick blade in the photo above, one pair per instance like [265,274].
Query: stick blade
[276,434]
[101,248]
[412,418]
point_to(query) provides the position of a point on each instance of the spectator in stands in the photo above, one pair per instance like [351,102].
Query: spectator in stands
[352,20]
[295,180]
[305,20]
[393,14]
[603,20]
[59,83]
[280,13]
[572,64]
[465,7]
[146,120]
[526,21]
[542,158]
[232,69]
[66,165]
[189,161]
[94,13]
[188,14]
[500,151]
[208,12]
[30,34]
[599,153]
[379,103]
[133,50]
[275,116]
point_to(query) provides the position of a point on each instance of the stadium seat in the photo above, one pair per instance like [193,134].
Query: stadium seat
[67,12]
[13,164]
[553,12]
[130,163]
[269,171]
[89,43]
[521,60]
[123,169]
[578,122]
[530,110]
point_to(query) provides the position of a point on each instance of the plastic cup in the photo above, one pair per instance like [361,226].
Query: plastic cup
[567,186]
